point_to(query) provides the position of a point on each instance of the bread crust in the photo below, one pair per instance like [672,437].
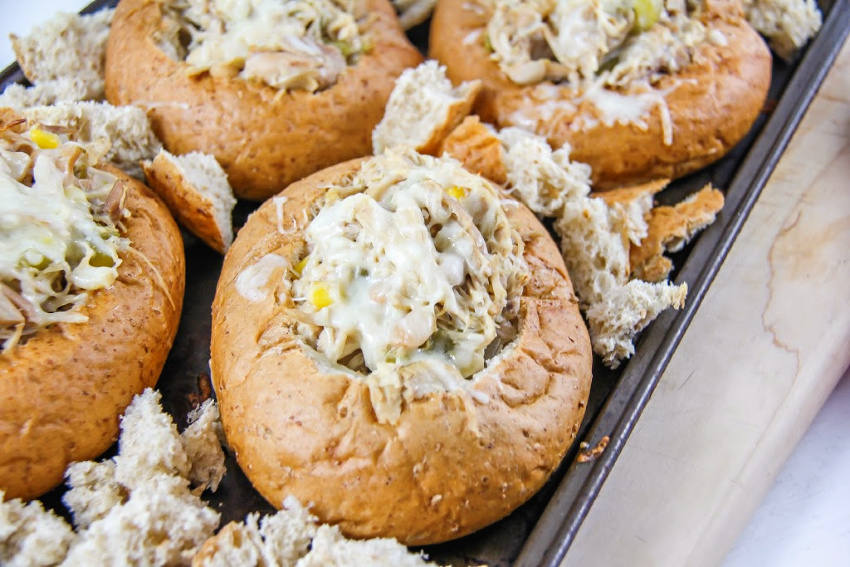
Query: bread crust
[194,210]
[299,428]
[263,138]
[712,102]
[63,390]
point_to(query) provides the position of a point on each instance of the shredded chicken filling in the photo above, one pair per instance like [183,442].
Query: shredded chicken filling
[581,42]
[412,268]
[288,45]
[59,230]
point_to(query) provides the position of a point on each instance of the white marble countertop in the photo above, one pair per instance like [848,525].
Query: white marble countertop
[804,518]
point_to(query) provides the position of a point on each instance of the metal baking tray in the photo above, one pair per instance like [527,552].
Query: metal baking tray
[541,531]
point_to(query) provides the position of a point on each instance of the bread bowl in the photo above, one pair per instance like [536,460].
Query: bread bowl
[267,119]
[90,303]
[638,105]
[420,450]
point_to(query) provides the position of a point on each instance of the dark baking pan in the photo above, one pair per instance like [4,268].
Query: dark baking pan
[541,531]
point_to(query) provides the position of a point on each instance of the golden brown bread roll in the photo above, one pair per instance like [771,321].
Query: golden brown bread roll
[413,450]
[264,137]
[63,386]
[666,125]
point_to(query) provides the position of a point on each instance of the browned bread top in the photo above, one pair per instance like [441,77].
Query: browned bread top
[453,461]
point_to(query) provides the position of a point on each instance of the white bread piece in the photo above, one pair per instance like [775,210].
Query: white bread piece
[127,129]
[293,538]
[159,522]
[541,178]
[625,311]
[237,543]
[422,109]
[670,229]
[162,523]
[202,444]
[594,250]
[19,97]
[279,539]
[631,206]
[30,536]
[331,549]
[149,446]
[195,188]
[94,491]
[413,12]
[68,50]
[787,24]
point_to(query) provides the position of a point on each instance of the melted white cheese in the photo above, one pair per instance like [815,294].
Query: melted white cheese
[54,247]
[289,44]
[415,274]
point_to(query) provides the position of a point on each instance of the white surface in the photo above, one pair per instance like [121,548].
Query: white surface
[805,518]
[19,16]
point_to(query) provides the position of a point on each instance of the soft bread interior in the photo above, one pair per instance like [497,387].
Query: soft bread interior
[423,108]
[196,190]
[65,55]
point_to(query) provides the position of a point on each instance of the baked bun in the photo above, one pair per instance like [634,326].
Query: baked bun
[69,371]
[264,136]
[443,437]
[631,119]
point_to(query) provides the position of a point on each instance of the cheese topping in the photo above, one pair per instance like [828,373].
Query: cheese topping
[412,277]
[614,42]
[788,24]
[288,45]
[58,234]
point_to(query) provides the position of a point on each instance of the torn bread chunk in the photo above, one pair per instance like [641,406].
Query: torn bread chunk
[615,321]
[202,442]
[330,549]
[137,508]
[669,230]
[787,24]
[423,108]
[541,178]
[196,190]
[632,205]
[596,256]
[20,97]
[67,53]
[126,128]
[162,523]
[293,537]
[95,491]
[30,536]
[477,146]
[413,12]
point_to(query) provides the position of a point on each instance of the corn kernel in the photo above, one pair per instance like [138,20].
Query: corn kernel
[299,267]
[646,13]
[456,192]
[45,140]
[320,295]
